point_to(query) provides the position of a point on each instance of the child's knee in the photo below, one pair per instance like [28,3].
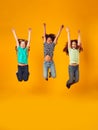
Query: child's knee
[19,77]
[26,77]
[76,80]
[53,76]
[45,75]
[71,80]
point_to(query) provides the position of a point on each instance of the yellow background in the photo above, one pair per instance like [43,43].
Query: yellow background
[37,104]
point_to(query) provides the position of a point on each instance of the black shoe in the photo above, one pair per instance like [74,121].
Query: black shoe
[68,86]
[49,74]
[46,79]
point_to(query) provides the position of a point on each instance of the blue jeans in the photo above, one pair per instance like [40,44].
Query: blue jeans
[49,65]
[73,74]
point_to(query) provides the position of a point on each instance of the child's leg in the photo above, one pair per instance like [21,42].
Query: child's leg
[49,74]
[52,69]
[25,73]
[45,68]
[76,74]
[19,73]
[71,76]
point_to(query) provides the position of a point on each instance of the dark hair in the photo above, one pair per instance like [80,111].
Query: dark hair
[52,36]
[22,40]
[77,47]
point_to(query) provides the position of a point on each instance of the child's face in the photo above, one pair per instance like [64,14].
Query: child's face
[49,40]
[74,45]
[22,44]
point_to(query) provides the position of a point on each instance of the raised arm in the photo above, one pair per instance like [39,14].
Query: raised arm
[58,34]
[79,38]
[29,37]
[44,35]
[68,35]
[15,36]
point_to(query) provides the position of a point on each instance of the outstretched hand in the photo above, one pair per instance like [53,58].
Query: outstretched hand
[78,31]
[13,30]
[67,29]
[30,29]
[62,26]
[44,24]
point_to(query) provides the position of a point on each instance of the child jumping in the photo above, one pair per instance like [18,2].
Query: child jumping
[22,48]
[50,41]
[72,48]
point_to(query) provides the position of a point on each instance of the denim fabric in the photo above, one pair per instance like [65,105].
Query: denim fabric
[73,74]
[49,65]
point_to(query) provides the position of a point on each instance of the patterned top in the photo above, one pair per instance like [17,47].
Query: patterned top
[49,49]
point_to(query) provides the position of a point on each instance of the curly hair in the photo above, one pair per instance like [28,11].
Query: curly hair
[77,47]
[52,36]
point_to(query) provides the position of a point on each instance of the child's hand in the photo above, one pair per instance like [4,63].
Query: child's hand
[30,29]
[62,26]
[13,30]
[67,29]
[78,31]
[44,24]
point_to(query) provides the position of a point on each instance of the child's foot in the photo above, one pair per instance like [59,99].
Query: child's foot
[46,79]
[49,74]
[68,86]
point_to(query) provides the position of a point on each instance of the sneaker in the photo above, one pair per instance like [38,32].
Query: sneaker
[68,86]
[46,79]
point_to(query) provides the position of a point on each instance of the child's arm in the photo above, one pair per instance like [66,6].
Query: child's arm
[44,35]
[68,35]
[15,36]
[79,38]
[58,34]
[29,37]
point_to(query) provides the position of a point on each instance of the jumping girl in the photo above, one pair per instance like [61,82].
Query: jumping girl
[50,41]
[22,48]
[72,48]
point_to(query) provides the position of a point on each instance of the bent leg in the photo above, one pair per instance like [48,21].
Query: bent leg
[52,69]
[25,73]
[71,76]
[76,75]
[19,74]
[45,70]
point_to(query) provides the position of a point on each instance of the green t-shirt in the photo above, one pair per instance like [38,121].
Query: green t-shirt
[22,55]
[74,55]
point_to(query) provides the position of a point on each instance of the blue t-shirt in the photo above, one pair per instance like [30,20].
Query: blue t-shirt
[22,55]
